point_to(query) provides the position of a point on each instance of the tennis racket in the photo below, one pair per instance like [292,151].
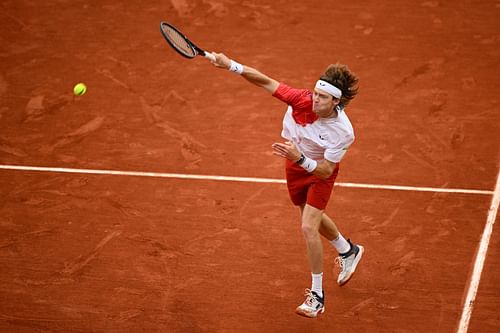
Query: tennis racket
[181,43]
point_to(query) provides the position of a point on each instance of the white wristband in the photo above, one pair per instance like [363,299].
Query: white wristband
[236,67]
[309,164]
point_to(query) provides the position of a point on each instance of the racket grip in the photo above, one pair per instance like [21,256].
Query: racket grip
[210,56]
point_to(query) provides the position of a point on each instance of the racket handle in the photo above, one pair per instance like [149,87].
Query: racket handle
[209,56]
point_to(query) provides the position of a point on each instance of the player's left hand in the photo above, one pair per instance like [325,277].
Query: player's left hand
[286,150]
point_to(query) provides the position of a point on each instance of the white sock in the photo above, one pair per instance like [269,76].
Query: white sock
[317,284]
[341,244]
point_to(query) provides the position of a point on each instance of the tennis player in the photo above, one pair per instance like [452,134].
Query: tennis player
[317,133]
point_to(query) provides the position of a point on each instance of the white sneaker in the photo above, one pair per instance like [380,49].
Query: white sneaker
[348,262]
[312,306]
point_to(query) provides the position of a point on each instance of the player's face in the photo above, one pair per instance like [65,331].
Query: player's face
[323,103]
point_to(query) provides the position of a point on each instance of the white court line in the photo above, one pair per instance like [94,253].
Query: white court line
[237,179]
[479,263]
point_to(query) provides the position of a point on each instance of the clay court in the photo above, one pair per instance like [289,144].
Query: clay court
[153,203]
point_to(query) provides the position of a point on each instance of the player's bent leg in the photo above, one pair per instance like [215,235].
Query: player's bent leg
[348,262]
[328,228]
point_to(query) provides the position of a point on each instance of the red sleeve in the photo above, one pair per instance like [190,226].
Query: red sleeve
[301,102]
[297,98]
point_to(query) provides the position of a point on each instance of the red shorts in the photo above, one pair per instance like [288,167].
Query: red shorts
[304,187]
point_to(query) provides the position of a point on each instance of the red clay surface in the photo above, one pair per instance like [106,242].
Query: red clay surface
[88,253]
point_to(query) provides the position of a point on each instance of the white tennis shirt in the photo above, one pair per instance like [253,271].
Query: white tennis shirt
[325,138]
[317,138]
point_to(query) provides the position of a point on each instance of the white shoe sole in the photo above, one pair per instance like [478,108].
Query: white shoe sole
[354,265]
[308,314]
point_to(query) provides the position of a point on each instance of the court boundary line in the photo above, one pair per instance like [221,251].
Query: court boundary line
[236,179]
[482,251]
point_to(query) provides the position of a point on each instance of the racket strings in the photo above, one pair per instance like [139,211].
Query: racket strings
[178,41]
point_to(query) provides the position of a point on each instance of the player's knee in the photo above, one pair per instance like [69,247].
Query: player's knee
[309,230]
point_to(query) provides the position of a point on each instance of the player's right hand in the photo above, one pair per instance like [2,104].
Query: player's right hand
[221,60]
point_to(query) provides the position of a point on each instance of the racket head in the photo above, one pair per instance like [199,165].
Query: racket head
[178,41]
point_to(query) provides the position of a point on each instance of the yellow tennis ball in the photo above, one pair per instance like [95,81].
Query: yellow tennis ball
[79,89]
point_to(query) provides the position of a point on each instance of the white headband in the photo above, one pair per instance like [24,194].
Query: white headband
[329,88]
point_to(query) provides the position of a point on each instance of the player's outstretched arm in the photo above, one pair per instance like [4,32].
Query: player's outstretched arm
[250,74]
